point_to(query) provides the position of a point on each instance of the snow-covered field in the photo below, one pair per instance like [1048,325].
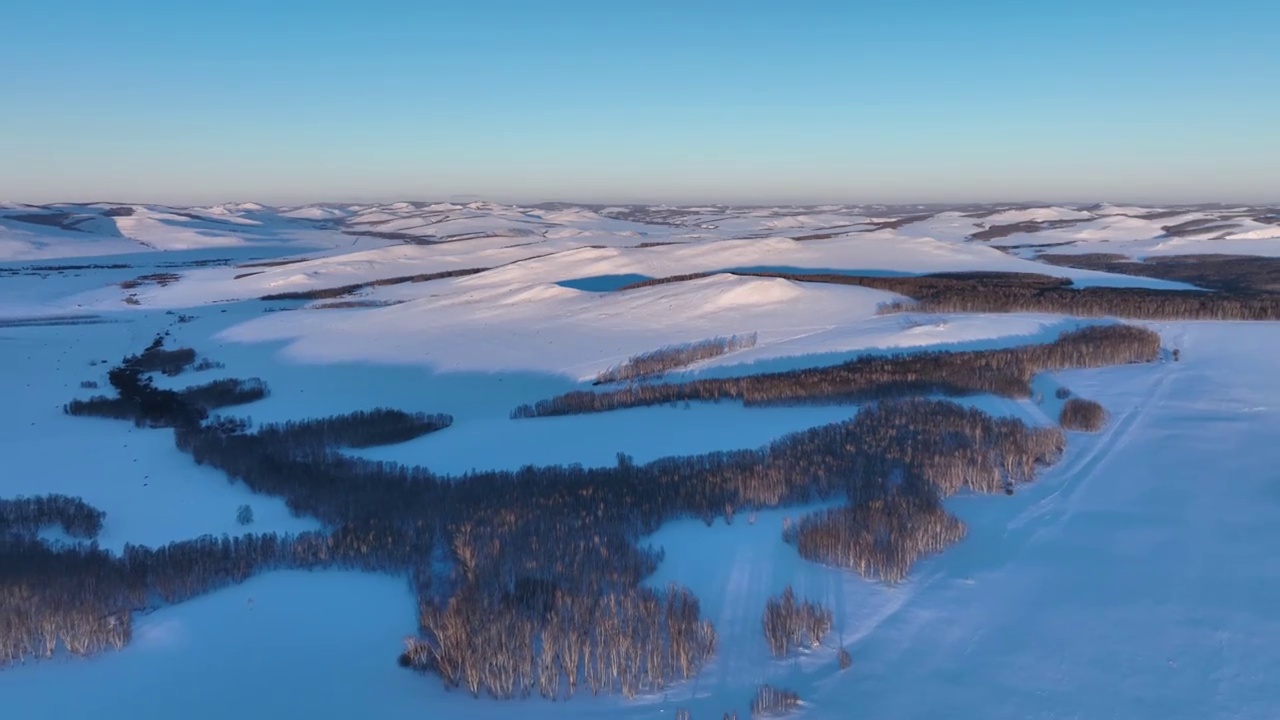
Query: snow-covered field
[1132,580]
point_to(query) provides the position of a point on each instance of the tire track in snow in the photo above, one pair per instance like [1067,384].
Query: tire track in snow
[1081,470]
[734,616]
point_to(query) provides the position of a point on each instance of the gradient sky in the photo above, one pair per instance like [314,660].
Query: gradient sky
[614,100]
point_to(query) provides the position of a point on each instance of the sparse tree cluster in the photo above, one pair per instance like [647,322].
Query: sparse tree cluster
[349,304]
[662,360]
[343,290]
[790,623]
[770,701]
[1005,372]
[1080,414]
[138,399]
[681,713]
[156,359]
[162,279]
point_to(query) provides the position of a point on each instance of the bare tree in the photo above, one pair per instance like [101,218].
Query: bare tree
[790,623]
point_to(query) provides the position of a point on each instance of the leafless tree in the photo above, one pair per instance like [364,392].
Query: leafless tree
[790,623]
[771,701]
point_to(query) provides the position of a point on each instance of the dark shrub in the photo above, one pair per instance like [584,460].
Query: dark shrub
[1080,414]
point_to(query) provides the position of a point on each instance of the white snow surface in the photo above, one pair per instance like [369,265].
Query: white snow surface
[1124,583]
[1132,580]
[29,232]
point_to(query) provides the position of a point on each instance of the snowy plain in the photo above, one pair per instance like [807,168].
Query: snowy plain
[1131,580]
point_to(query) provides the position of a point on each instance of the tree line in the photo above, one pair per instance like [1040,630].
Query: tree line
[360,429]
[343,290]
[1231,274]
[662,360]
[82,599]
[999,292]
[1005,372]
[30,515]
[1093,301]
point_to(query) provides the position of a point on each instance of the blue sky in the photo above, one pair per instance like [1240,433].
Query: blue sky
[693,101]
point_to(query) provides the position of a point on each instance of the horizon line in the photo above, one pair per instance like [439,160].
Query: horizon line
[480,199]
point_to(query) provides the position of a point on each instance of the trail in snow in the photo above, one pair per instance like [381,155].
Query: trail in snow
[1131,581]
[1079,468]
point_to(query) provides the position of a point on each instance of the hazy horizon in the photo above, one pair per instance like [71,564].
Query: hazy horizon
[691,203]
[918,102]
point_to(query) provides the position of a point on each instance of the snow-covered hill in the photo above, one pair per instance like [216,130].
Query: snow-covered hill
[1126,579]
[29,232]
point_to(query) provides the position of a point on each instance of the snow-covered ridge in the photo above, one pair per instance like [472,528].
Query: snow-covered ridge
[31,232]
[542,313]
[40,232]
[526,287]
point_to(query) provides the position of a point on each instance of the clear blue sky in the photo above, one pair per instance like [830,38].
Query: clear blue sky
[615,100]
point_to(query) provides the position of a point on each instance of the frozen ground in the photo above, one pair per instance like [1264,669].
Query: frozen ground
[1129,582]
[152,493]
[1133,580]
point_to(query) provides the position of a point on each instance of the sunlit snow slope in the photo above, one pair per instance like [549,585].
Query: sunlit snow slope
[1132,580]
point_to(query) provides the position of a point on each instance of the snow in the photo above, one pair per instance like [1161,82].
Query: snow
[333,641]
[1132,580]
[1110,209]
[1124,581]
[316,213]
[151,492]
[1128,581]
[523,315]
[1265,232]
[1038,214]
[153,228]
[847,238]
[645,434]
[553,329]
[28,241]
[1140,237]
